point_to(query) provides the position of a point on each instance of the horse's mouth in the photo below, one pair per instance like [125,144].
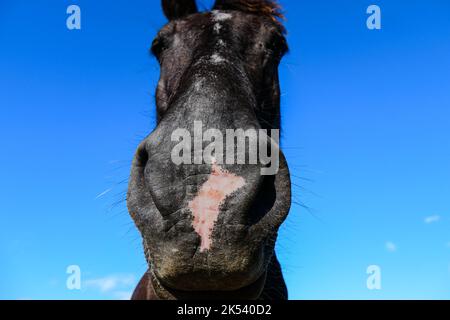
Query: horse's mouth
[236,262]
[248,292]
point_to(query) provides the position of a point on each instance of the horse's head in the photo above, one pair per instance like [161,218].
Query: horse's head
[208,207]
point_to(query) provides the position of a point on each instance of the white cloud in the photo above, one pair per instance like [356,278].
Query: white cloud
[110,283]
[432,219]
[122,295]
[391,247]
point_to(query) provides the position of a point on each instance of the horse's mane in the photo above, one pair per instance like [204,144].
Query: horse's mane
[266,8]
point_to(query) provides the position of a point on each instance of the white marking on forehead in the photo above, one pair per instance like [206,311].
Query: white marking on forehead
[221,43]
[216,58]
[205,207]
[221,16]
[217,28]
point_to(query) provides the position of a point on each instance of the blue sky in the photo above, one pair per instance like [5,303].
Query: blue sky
[366,120]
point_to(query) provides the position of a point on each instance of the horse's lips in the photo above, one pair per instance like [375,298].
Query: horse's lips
[248,291]
[205,207]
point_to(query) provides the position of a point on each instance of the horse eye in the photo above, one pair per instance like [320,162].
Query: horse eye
[158,46]
[142,157]
[277,46]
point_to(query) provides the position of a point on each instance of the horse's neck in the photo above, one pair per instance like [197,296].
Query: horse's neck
[274,288]
[144,290]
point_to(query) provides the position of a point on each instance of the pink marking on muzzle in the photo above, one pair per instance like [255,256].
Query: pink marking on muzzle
[205,206]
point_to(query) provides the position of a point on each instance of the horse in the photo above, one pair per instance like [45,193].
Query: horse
[209,228]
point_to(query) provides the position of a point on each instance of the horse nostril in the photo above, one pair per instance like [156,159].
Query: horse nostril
[142,157]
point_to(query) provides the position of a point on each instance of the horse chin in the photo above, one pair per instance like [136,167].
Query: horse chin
[251,291]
